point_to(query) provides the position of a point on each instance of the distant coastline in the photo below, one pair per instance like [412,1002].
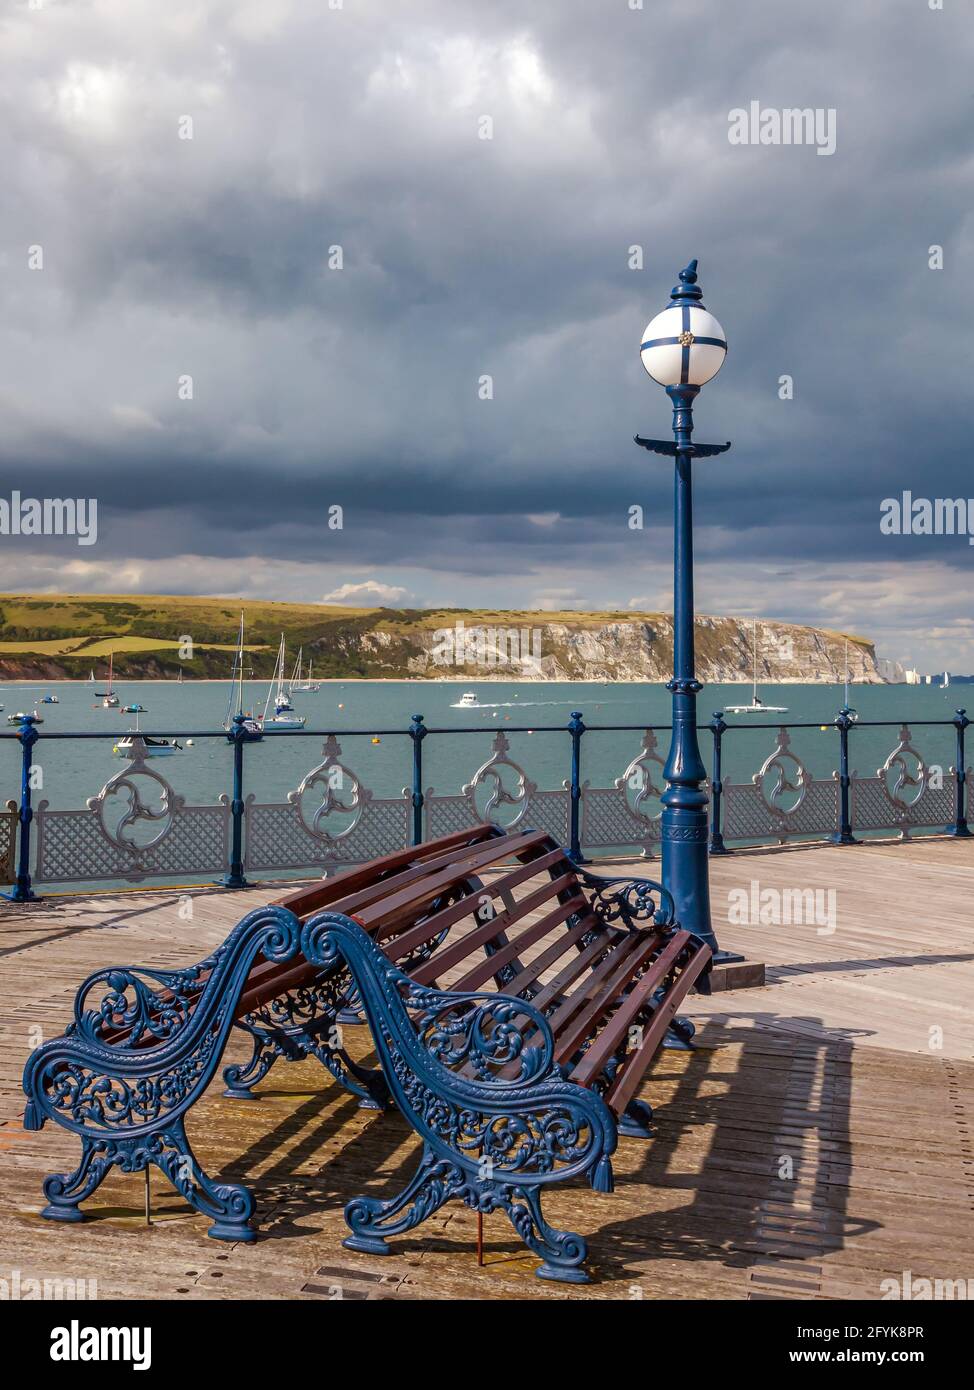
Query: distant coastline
[47,638]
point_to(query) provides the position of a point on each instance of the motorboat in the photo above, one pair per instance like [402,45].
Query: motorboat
[20,716]
[151,747]
[468,700]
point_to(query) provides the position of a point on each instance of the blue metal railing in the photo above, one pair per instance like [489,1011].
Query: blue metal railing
[238,736]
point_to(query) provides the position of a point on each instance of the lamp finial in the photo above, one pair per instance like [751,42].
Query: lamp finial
[688,289]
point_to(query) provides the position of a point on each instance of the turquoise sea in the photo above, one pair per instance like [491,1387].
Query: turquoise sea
[75,769]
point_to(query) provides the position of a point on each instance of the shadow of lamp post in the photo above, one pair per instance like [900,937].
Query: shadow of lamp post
[682,349]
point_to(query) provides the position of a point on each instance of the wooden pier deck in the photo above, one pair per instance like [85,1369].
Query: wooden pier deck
[817,1142]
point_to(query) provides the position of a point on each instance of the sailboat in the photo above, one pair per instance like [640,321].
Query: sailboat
[307,685]
[109,698]
[756,706]
[283,719]
[853,713]
[250,724]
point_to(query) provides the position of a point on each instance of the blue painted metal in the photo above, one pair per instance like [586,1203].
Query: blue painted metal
[474,1075]
[684,831]
[417,732]
[128,1069]
[576,728]
[306,1022]
[234,877]
[22,891]
[717,729]
[844,722]
[959,827]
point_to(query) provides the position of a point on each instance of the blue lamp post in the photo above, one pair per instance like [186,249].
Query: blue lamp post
[682,349]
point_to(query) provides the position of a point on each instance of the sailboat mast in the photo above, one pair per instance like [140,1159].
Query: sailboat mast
[754,647]
[240,660]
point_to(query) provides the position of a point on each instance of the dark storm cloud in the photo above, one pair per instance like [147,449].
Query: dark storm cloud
[464,257]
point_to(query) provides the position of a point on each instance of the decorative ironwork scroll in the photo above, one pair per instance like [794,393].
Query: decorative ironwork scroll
[136,827]
[8,843]
[905,794]
[329,819]
[500,792]
[629,811]
[781,801]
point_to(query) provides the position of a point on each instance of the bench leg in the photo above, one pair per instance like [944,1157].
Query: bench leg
[228,1205]
[240,1077]
[65,1191]
[636,1120]
[371,1220]
[679,1036]
[562,1252]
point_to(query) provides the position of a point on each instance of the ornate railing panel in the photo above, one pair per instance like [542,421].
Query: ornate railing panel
[501,792]
[331,818]
[137,827]
[8,843]
[781,801]
[628,812]
[906,793]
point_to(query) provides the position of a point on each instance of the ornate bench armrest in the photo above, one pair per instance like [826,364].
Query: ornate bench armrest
[465,1071]
[634,903]
[170,1039]
[496,1039]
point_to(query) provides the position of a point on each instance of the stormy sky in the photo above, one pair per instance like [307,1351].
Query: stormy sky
[361,126]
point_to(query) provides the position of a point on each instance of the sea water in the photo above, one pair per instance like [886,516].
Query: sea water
[71,770]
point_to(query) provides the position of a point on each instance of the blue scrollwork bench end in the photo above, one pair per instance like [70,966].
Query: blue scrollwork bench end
[475,1076]
[142,1049]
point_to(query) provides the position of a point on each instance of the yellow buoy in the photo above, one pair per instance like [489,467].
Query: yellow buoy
[377,740]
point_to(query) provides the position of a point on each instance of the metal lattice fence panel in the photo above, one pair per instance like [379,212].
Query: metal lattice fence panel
[8,843]
[277,838]
[73,847]
[905,794]
[330,818]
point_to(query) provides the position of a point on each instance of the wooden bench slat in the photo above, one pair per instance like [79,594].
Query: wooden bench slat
[561,945]
[449,956]
[617,1026]
[627,1083]
[483,971]
[575,1019]
[304,901]
[425,889]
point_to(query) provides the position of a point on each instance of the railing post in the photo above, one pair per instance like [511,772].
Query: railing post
[843,722]
[717,729]
[234,878]
[576,727]
[960,827]
[417,732]
[28,736]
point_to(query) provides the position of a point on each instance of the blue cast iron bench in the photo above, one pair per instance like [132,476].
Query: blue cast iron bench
[515,1002]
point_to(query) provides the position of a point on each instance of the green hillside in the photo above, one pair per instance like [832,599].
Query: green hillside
[51,636]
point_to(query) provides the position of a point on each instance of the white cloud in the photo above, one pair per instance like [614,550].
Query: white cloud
[368,592]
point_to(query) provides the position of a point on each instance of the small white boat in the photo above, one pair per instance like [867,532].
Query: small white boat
[756,706]
[283,720]
[20,716]
[281,723]
[47,700]
[306,686]
[468,700]
[152,747]
[109,698]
